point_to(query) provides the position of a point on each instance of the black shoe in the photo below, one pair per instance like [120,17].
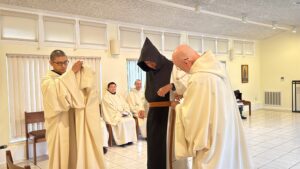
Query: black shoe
[105,149]
[130,143]
[3,147]
[243,117]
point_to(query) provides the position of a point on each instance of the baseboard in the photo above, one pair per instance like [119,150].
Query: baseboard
[18,151]
[258,106]
[277,108]
[254,106]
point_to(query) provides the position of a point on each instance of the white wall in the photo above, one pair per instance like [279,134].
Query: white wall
[280,57]
[250,90]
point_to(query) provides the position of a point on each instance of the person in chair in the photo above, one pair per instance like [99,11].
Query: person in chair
[238,96]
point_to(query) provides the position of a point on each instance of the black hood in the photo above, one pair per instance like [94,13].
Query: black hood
[150,53]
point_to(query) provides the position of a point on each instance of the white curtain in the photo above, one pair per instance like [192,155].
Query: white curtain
[24,91]
[134,72]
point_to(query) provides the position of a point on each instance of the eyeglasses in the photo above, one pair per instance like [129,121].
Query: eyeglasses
[61,63]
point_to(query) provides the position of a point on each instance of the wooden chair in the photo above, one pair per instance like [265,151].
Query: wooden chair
[35,136]
[238,95]
[10,163]
[110,133]
[247,103]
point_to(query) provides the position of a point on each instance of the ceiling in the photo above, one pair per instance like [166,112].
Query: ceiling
[182,16]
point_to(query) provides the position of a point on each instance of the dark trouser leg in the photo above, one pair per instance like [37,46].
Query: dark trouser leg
[241,112]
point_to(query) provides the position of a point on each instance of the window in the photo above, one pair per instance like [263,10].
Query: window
[172,40]
[155,38]
[92,33]
[243,47]
[24,91]
[238,47]
[19,26]
[134,72]
[222,46]
[130,38]
[59,30]
[248,48]
[209,44]
[196,43]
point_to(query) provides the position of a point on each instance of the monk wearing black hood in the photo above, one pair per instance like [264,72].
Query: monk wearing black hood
[158,73]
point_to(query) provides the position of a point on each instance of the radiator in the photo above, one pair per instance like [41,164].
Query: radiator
[272,98]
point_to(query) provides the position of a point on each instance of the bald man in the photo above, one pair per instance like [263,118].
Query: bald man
[138,106]
[208,126]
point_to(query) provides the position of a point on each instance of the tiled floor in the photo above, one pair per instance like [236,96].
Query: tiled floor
[274,141]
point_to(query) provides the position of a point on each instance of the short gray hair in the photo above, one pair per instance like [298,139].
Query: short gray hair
[137,80]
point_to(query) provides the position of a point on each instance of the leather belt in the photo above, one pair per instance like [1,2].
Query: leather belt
[160,104]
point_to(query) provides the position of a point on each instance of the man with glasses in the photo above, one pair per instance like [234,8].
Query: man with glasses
[72,119]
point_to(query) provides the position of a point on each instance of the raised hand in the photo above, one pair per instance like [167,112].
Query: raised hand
[77,66]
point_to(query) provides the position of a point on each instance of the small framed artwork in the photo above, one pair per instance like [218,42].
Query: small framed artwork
[244,73]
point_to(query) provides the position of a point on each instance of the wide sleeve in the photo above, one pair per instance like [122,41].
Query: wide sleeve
[180,80]
[193,116]
[110,114]
[61,94]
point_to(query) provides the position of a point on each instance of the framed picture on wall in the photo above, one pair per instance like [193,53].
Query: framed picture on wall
[244,73]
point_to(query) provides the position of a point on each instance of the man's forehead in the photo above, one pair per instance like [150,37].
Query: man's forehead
[60,58]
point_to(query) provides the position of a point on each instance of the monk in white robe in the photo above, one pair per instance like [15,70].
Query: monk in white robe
[117,113]
[208,126]
[72,119]
[138,105]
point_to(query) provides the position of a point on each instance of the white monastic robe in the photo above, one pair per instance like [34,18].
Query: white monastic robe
[137,102]
[72,120]
[105,134]
[123,127]
[208,123]
[179,78]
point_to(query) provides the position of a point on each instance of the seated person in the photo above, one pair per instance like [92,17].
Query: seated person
[116,112]
[138,104]
[238,96]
